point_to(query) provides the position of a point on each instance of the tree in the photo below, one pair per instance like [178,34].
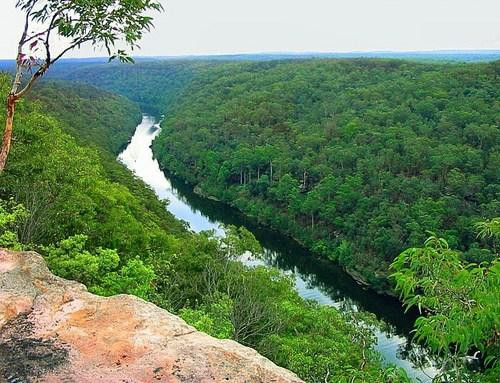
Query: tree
[101,270]
[103,23]
[312,205]
[11,217]
[461,302]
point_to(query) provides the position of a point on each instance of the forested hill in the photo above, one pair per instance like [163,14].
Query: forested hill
[94,116]
[154,85]
[357,159]
[61,168]
[389,149]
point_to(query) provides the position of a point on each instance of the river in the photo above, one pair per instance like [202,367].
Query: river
[315,278]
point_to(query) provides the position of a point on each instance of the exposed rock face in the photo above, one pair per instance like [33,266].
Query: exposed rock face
[53,330]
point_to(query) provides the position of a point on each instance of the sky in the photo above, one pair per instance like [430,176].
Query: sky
[198,27]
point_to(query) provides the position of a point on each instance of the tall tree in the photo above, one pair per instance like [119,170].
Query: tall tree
[103,23]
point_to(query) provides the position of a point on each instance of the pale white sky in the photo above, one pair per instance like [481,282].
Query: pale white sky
[236,26]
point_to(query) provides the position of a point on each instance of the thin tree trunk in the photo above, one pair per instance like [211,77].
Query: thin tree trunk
[7,134]
[271,177]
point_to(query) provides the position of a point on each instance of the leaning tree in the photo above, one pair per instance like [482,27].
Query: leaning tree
[115,25]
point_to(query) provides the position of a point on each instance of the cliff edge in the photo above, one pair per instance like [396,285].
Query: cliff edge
[53,330]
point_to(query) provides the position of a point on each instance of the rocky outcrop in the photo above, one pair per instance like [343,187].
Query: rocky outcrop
[53,330]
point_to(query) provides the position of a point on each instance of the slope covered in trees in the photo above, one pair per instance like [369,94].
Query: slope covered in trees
[357,159]
[152,85]
[110,125]
[64,195]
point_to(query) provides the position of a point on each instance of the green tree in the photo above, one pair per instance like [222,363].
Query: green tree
[212,318]
[99,269]
[238,240]
[12,216]
[461,303]
[287,189]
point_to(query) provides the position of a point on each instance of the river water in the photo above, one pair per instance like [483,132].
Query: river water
[315,278]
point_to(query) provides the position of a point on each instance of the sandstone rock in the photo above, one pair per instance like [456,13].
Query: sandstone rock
[53,330]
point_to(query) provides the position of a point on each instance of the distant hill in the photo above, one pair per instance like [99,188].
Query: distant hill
[442,55]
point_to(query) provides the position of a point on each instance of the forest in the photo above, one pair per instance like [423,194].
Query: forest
[388,167]
[356,159]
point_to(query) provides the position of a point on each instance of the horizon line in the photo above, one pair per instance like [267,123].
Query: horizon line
[495,51]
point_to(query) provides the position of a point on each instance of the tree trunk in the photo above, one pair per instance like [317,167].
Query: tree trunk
[7,134]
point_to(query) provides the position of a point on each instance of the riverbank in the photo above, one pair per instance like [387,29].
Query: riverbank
[354,274]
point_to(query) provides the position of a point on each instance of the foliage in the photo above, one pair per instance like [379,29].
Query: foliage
[260,308]
[100,22]
[152,85]
[489,228]
[71,189]
[237,241]
[460,302]
[212,318]
[11,217]
[361,154]
[99,270]
[93,116]
[321,346]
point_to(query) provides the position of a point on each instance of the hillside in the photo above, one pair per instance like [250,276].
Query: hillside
[95,117]
[152,85]
[357,159]
[389,149]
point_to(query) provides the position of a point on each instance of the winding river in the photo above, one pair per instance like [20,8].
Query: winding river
[315,278]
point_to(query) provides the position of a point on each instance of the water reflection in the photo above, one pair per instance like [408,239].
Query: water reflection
[315,278]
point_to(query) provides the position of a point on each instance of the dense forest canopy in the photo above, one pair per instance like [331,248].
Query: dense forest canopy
[110,126]
[153,85]
[357,159]
[365,155]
